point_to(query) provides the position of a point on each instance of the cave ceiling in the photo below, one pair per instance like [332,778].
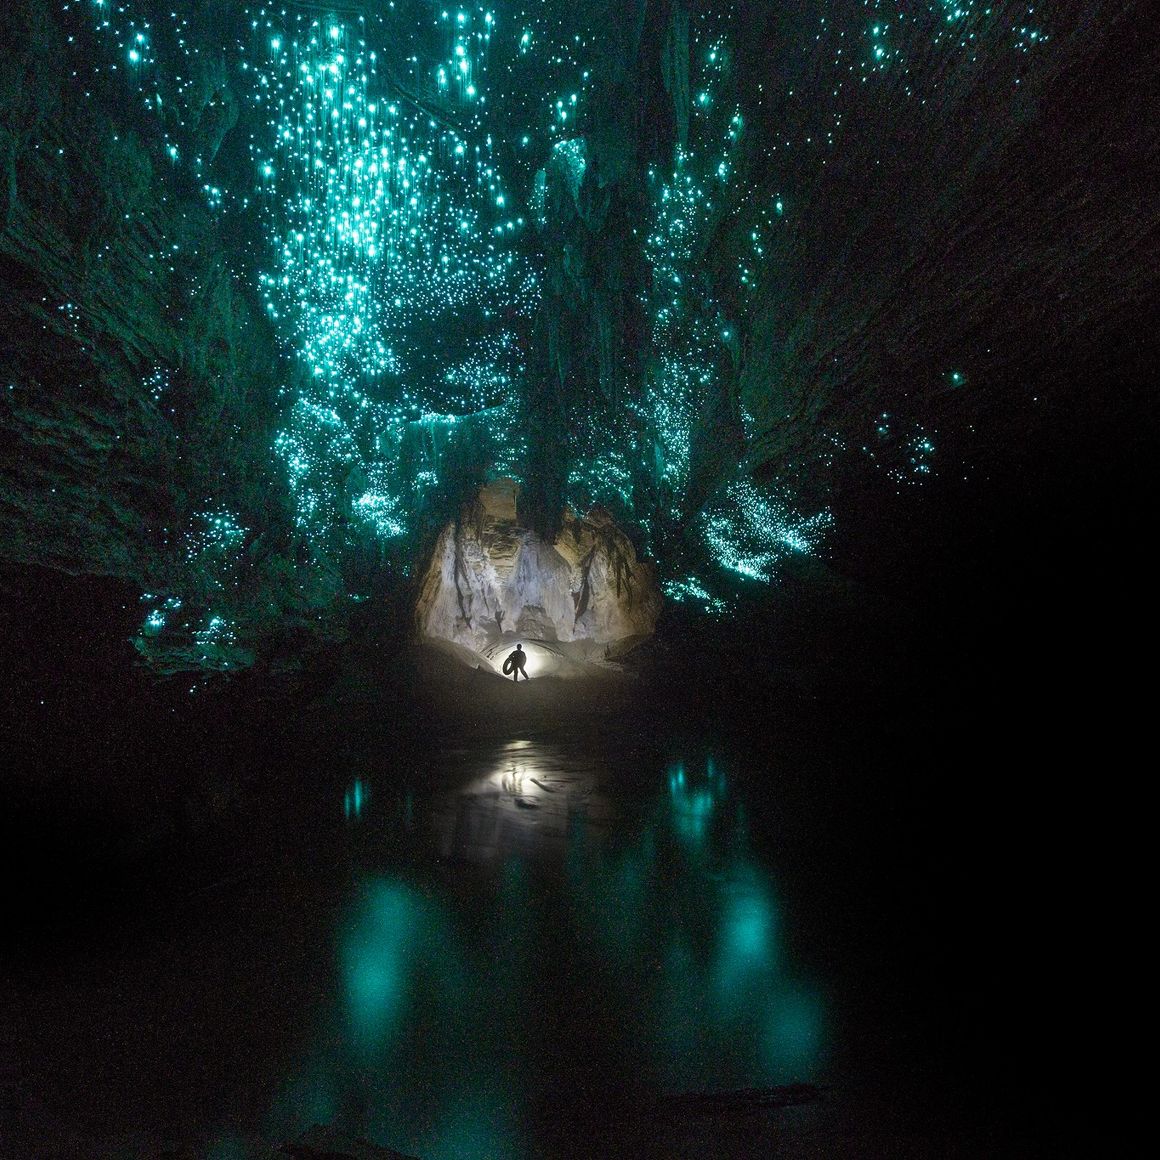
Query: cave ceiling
[286,283]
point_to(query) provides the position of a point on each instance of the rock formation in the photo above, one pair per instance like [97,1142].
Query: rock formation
[491,579]
[716,303]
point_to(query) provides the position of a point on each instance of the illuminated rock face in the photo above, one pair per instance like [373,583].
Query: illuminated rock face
[491,580]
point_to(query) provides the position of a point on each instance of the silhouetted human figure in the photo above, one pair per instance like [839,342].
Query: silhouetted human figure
[515,663]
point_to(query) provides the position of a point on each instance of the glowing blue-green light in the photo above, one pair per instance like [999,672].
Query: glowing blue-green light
[354,800]
[749,928]
[381,225]
[376,960]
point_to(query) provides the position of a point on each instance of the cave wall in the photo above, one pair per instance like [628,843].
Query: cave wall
[965,235]
[493,579]
[963,239]
[590,351]
[140,377]
[964,229]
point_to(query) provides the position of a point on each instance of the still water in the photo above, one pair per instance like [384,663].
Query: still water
[515,947]
[546,944]
[580,947]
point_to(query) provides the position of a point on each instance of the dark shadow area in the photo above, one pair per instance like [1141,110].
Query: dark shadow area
[848,870]
[917,731]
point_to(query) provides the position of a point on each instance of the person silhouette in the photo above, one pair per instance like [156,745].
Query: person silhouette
[515,663]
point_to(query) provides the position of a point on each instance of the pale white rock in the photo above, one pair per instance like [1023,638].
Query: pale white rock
[491,581]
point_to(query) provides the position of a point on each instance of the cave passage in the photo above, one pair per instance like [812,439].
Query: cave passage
[782,375]
[291,285]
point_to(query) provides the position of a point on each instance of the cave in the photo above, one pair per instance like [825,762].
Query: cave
[581,600]
[779,378]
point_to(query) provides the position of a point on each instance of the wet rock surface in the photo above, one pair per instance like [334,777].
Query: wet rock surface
[492,580]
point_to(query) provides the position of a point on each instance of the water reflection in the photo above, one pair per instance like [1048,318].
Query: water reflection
[615,941]
[405,1054]
[354,799]
[531,802]
[694,805]
[689,911]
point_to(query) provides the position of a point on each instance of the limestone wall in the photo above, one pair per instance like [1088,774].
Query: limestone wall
[490,579]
